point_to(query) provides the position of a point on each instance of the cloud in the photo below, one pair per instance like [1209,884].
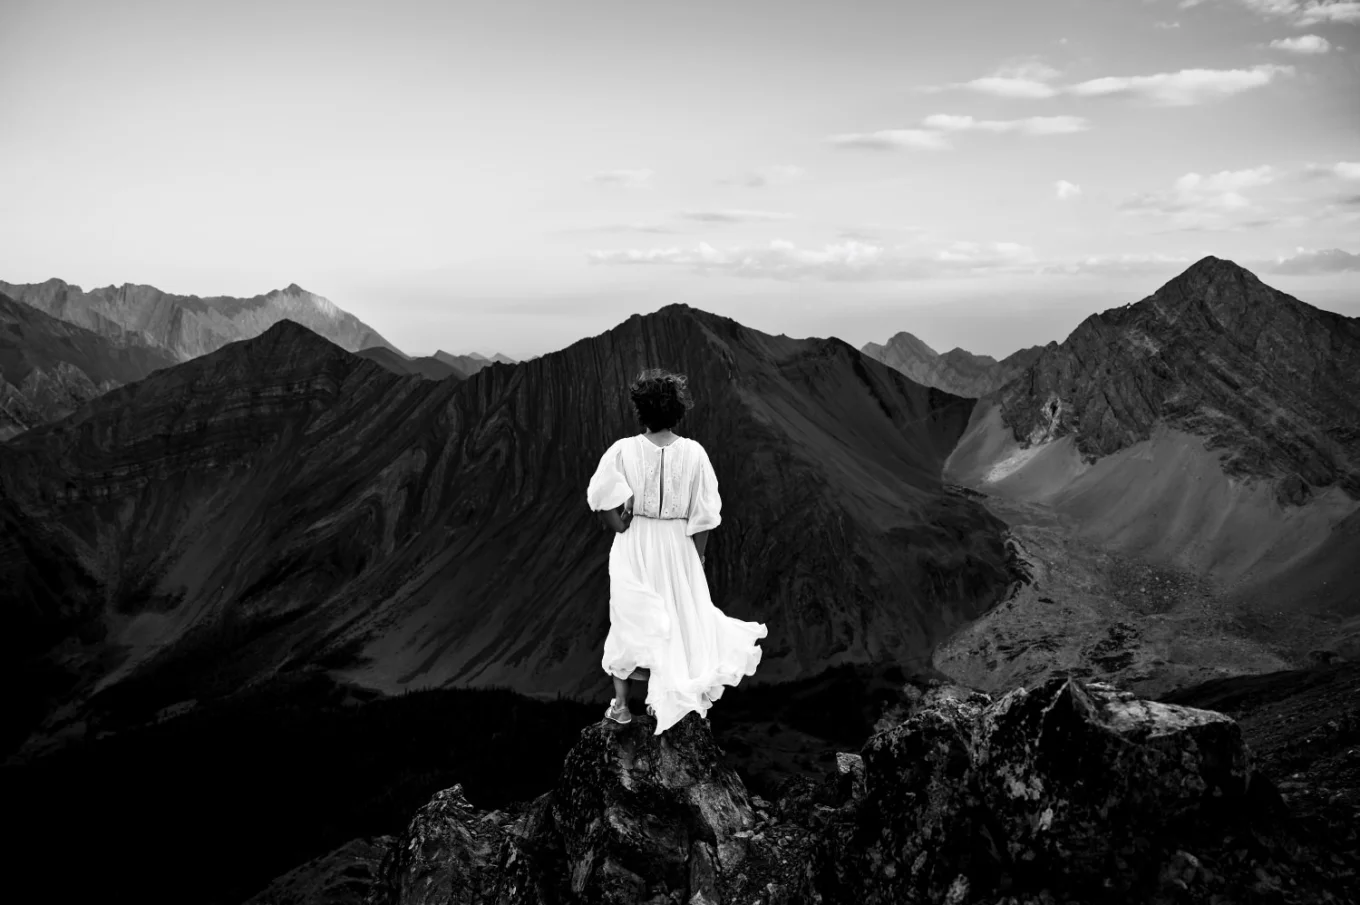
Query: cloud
[628,179]
[939,125]
[1303,44]
[767,176]
[734,216]
[1066,189]
[1118,265]
[1184,88]
[1027,79]
[842,261]
[1033,125]
[892,139]
[1298,12]
[637,227]
[1166,26]
[1307,261]
[1203,202]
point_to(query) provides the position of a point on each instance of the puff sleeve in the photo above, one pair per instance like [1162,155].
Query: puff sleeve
[705,506]
[608,488]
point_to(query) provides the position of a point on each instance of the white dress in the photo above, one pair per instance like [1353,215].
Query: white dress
[660,614]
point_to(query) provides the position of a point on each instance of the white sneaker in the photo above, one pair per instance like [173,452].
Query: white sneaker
[618,713]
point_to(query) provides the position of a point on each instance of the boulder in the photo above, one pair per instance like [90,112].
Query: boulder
[647,818]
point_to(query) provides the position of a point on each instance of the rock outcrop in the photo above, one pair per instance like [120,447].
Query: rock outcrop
[957,371]
[1269,382]
[281,503]
[187,326]
[48,367]
[1062,793]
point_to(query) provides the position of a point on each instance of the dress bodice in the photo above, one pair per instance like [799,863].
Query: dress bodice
[675,481]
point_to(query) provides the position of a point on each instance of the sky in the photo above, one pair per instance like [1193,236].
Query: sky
[512,176]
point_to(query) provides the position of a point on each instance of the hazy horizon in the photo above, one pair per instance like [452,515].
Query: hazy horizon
[513,177]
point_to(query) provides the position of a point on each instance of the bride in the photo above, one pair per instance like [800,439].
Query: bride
[659,493]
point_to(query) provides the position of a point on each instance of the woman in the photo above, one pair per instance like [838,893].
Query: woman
[658,492]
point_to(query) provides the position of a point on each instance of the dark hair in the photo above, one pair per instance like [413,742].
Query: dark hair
[660,398]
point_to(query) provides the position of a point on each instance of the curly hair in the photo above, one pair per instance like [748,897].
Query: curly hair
[660,398]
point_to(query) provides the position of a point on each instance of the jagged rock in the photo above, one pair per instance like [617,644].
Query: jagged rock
[1080,790]
[350,875]
[449,853]
[636,810]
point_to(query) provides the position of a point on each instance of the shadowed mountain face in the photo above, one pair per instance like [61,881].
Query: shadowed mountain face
[281,504]
[472,362]
[188,326]
[429,367]
[956,371]
[49,367]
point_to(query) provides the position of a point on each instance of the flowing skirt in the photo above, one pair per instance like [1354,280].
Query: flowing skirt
[661,618]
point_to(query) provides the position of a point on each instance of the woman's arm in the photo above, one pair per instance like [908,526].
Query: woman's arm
[617,519]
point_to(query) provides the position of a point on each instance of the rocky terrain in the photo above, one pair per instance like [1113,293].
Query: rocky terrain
[1066,792]
[472,362]
[187,326]
[49,367]
[282,505]
[957,371]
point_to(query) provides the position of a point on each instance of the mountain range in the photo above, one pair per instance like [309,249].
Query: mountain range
[282,504]
[49,367]
[187,326]
[957,371]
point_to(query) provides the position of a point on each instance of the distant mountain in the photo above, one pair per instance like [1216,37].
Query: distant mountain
[1215,423]
[188,326]
[956,371]
[430,368]
[281,504]
[472,362]
[49,367]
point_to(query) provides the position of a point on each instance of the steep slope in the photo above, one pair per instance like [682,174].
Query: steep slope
[956,371]
[430,368]
[281,504]
[49,367]
[1182,474]
[188,326]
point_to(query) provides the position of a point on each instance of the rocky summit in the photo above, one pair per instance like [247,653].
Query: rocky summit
[187,326]
[1064,793]
[1270,383]
[957,371]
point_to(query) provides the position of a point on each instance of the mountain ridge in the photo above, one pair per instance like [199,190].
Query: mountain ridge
[957,371]
[188,326]
[287,503]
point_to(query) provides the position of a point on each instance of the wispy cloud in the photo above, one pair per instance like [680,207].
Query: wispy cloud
[1309,261]
[1118,265]
[1298,12]
[892,140]
[627,179]
[1028,79]
[1166,26]
[1198,202]
[1033,125]
[637,227]
[1347,170]
[767,176]
[1065,189]
[843,261]
[1184,88]
[938,127]
[1308,44]
[734,216]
